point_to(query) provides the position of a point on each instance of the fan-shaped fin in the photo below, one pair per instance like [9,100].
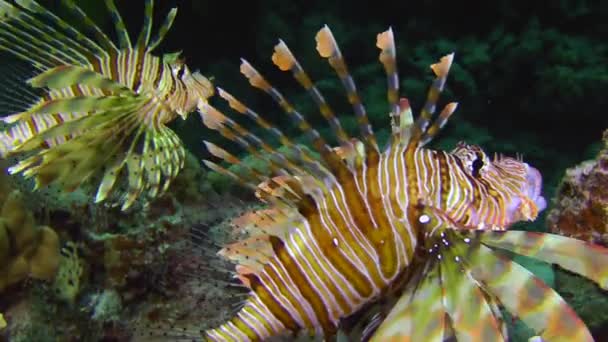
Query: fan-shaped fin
[419,315]
[584,258]
[471,315]
[64,76]
[526,296]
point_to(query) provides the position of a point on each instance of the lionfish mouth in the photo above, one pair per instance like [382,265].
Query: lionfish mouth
[531,202]
[534,188]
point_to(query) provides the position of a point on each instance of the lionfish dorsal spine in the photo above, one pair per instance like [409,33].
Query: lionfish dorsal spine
[101,37]
[124,41]
[48,52]
[286,61]
[295,161]
[146,28]
[330,158]
[421,125]
[162,31]
[328,48]
[385,41]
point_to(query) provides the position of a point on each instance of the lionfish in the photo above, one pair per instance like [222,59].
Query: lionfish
[104,105]
[347,226]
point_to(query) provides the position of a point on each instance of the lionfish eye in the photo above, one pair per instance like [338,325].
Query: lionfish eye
[477,165]
[180,71]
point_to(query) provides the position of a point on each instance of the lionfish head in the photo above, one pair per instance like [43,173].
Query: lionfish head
[198,87]
[519,184]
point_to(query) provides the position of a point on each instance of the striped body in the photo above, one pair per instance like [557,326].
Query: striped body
[104,107]
[353,224]
[359,236]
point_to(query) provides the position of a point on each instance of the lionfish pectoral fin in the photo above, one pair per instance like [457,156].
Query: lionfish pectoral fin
[523,294]
[473,312]
[114,141]
[37,129]
[75,160]
[584,258]
[65,76]
[419,315]
[154,166]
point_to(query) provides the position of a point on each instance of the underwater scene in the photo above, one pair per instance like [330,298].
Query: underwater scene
[192,170]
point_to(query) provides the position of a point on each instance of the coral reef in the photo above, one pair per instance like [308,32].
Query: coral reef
[581,204]
[26,249]
[68,281]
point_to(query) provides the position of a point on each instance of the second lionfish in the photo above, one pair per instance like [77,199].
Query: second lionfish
[353,224]
[104,105]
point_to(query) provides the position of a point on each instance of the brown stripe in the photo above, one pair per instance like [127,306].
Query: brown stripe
[244,328]
[444,177]
[139,66]
[362,222]
[285,291]
[295,273]
[382,238]
[275,307]
[334,256]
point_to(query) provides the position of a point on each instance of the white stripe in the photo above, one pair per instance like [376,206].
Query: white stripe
[254,323]
[404,203]
[311,275]
[258,305]
[336,233]
[242,336]
[306,235]
[388,208]
[294,292]
[360,239]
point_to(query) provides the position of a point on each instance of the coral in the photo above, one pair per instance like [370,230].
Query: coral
[123,260]
[25,248]
[68,281]
[581,204]
[106,306]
